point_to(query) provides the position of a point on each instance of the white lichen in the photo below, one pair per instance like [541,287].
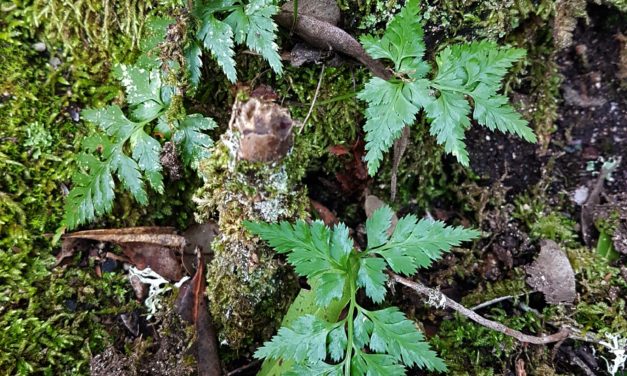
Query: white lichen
[618,347]
[157,287]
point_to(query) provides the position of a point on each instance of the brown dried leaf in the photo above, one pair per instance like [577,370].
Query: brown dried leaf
[338,150]
[156,247]
[191,304]
[324,213]
[400,146]
[69,247]
[552,274]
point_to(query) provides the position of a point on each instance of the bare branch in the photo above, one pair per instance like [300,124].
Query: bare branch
[437,298]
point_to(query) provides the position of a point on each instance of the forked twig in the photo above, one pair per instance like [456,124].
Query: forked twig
[439,299]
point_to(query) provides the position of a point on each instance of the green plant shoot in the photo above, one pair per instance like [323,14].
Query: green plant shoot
[373,342]
[470,72]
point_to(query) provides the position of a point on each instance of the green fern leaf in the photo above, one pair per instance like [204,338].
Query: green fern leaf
[402,42]
[217,37]
[377,365]
[147,152]
[193,144]
[315,369]
[335,272]
[193,60]
[253,24]
[111,120]
[392,333]
[494,112]
[314,250]
[473,70]
[392,105]
[306,338]
[372,278]
[92,192]
[140,85]
[337,342]
[377,226]
[417,243]
[449,121]
[128,171]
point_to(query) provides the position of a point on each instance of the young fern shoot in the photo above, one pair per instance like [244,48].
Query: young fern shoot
[373,342]
[466,72]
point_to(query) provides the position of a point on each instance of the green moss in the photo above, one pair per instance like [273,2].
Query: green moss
[544,222]
[337,115]
[94,30]
[556,227]
[514,286]
[602,289]
[471,349]
[51,319]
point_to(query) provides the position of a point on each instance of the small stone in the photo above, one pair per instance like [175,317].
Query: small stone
[39,46]
[55,62]
[581,195]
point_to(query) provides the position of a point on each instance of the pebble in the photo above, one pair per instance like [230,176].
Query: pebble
[39,46]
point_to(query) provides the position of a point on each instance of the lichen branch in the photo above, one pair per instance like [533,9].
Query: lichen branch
[447,302]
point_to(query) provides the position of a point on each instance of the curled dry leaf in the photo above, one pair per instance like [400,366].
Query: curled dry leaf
[353,178]
[313,26]
[552,274]
[156,247]
[201,236]
[324,213]
[400,146]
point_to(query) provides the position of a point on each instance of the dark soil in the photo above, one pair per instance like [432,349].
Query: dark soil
[592,118]
[591,128]
[592,121]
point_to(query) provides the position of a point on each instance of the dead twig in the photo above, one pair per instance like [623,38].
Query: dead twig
[439,299]
[244,368]
[492,301]
[313,102]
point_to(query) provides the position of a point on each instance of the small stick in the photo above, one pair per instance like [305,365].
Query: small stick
[313,102]
[244,368]
[493,301]
[441,300]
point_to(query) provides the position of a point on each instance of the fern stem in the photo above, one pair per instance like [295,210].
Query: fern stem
[337,99]
[349,318]
[450,88]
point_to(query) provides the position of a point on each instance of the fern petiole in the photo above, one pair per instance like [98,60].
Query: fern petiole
[350,329]
[449,88]
[337,99]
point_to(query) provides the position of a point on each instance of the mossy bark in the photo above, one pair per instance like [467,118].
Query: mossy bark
[249,288]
